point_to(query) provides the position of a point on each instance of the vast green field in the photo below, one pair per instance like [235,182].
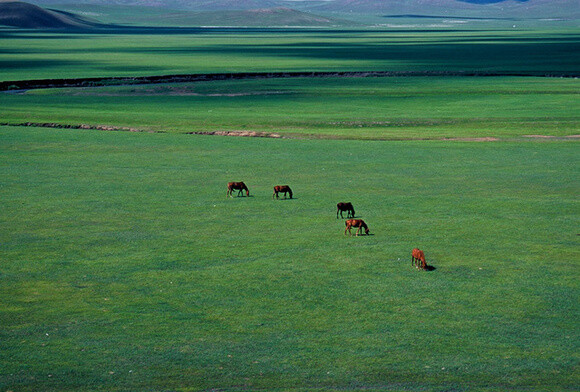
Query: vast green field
[33,55]
[124,266]
[348,108]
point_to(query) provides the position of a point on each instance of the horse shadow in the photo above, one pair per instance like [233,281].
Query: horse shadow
[429,268]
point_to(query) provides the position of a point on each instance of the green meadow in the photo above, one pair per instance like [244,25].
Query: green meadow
[347,108]
[124,266]
[34,55]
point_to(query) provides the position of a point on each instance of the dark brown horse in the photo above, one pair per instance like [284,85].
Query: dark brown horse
[418,258]
[281,189]
[340,207]
[237,186]
[356,223]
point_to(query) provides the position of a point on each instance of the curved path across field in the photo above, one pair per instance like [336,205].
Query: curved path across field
[140,80]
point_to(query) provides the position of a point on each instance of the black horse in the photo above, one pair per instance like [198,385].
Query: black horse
[340,207]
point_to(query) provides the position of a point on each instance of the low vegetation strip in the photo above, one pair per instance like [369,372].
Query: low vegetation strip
[273,135]
[78,126]
[137,80]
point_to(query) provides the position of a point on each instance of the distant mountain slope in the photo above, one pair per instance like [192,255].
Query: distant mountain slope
[567,9]
[474,8]
[269,17]
[193,5]
[25,15]
[488,1]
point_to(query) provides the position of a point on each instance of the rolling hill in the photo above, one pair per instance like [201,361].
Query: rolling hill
[485,8]
[281,13]
[25,15]
[267,17]
[471,8]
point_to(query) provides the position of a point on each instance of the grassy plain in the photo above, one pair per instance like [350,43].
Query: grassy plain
[34,55]
[125,267]
[355,108]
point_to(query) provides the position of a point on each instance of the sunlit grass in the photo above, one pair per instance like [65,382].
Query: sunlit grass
[357,108]
[125,266]
[36,55]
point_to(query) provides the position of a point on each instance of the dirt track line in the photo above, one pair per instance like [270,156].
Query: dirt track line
[140,80]
[274,135]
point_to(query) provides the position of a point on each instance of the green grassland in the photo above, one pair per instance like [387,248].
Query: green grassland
[34,55]
[356,108]
[125,267]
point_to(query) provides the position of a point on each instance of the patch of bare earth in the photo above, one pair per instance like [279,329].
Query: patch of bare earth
[569,137]
[238,133]
[472,139]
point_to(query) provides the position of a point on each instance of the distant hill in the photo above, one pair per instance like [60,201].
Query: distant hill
[268,17]
[504,8]
[488,1]
[468,8]
[371,12]
[25,15]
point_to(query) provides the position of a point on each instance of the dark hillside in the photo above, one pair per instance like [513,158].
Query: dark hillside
[270,17]
[29,16]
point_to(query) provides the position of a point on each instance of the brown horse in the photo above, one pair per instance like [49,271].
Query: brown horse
[237,186]
[340,207]
[282,189]
[356,223]
[418,258]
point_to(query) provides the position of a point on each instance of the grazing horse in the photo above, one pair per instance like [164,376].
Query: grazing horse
[340,207]
[282,189]
[356,223]
[237,186]
[418,258]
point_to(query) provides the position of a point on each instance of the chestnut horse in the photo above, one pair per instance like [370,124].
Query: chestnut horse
[418,258]
[356,223]
[282,189]
[345,207]
[237,186]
